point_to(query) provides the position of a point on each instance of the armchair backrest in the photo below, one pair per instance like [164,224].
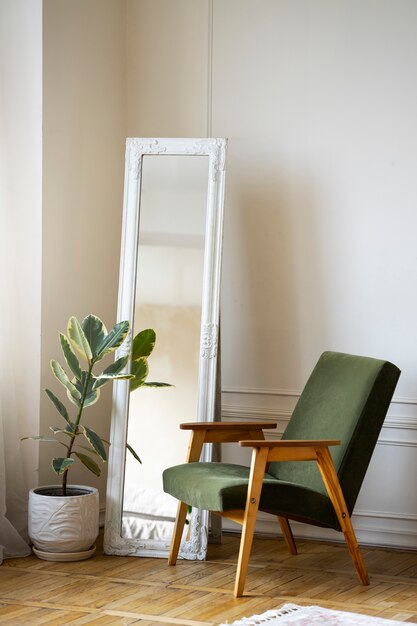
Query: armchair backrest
[346,398]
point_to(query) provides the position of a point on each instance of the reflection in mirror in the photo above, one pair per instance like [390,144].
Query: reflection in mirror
[169,281]
[170,265]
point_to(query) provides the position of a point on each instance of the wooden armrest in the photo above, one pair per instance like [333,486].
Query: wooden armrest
[222,432]
[227,425]
[291,443]
[291,449]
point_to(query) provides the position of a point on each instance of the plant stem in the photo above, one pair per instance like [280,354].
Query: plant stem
[76,424]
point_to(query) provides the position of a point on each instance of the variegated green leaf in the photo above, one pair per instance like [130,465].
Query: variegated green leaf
[82,384]
[103,379]
[70,357]
[66,431]
[73,400]
[89,463]
[58,405]
[90,450]
[60,374]
[61,465]
[143,343]
[157,385]
[117,366]
[78,338]
[113,340]
[40,438]
[95,332]
[91,395]
[95,442]
[140,370]
[112,372]
[92,398]
[132,451]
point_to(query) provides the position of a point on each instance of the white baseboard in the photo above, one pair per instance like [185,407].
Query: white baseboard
[371,530]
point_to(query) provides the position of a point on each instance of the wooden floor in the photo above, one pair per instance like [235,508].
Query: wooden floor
[109,590]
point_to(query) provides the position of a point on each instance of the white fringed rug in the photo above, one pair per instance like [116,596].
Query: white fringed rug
[312,616]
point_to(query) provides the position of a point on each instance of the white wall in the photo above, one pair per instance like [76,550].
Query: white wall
[83,156]
[20,246]
[318,101]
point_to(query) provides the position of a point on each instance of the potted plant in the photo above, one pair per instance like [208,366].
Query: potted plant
[63,519]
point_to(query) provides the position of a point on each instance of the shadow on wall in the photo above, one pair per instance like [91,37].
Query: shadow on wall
[274,302]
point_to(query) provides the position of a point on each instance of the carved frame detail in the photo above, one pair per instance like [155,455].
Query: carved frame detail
[195,546]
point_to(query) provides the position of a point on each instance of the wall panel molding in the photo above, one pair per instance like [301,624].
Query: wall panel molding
[402,420]
[395,529]
[258,391]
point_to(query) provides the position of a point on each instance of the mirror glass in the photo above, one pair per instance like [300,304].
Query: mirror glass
[168,296]
[169,281]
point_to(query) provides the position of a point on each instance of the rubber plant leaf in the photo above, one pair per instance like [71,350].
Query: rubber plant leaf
[66,431]
[92,398]
[40,438]
[90,394]
[81,385]
[78,339]
[95,332]
[113,339]
[90,450]
[95,442]
[132,451]
[89,463]
[60,374]
[143,343]
[155,384]
[70,357]
[112,372]
[58,405]
[61,465]
[140,370]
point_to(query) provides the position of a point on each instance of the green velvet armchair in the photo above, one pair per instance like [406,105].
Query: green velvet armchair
[342,407]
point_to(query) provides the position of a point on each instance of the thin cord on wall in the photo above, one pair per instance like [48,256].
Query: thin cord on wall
[210,68]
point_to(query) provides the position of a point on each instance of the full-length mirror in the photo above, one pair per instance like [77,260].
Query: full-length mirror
[169,281]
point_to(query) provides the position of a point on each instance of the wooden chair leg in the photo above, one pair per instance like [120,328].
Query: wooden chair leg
[334,490]
[194,451]
[178,530]
[288,536]
[246,540]
[257,472]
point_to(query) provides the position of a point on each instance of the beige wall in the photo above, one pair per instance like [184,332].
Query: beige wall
[83,161]
[167,62]
[318,101]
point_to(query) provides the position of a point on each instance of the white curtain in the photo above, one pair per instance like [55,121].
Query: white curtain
[13,370]
[20,263]
[13,511]
[19,383]
[18,366]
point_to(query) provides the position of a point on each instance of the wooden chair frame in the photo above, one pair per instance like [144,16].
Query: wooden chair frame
[250,434]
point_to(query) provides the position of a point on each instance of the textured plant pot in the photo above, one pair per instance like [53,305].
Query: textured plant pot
[63,523]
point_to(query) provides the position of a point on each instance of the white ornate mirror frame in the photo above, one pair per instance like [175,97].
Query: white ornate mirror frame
[195,546]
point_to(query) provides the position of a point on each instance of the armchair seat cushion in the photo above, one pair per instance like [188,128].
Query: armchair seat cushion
[223,487]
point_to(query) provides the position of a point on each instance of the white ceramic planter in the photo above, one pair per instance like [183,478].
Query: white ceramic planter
[59,524]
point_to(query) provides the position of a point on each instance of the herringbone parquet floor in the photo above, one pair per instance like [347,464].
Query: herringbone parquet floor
[111,590]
